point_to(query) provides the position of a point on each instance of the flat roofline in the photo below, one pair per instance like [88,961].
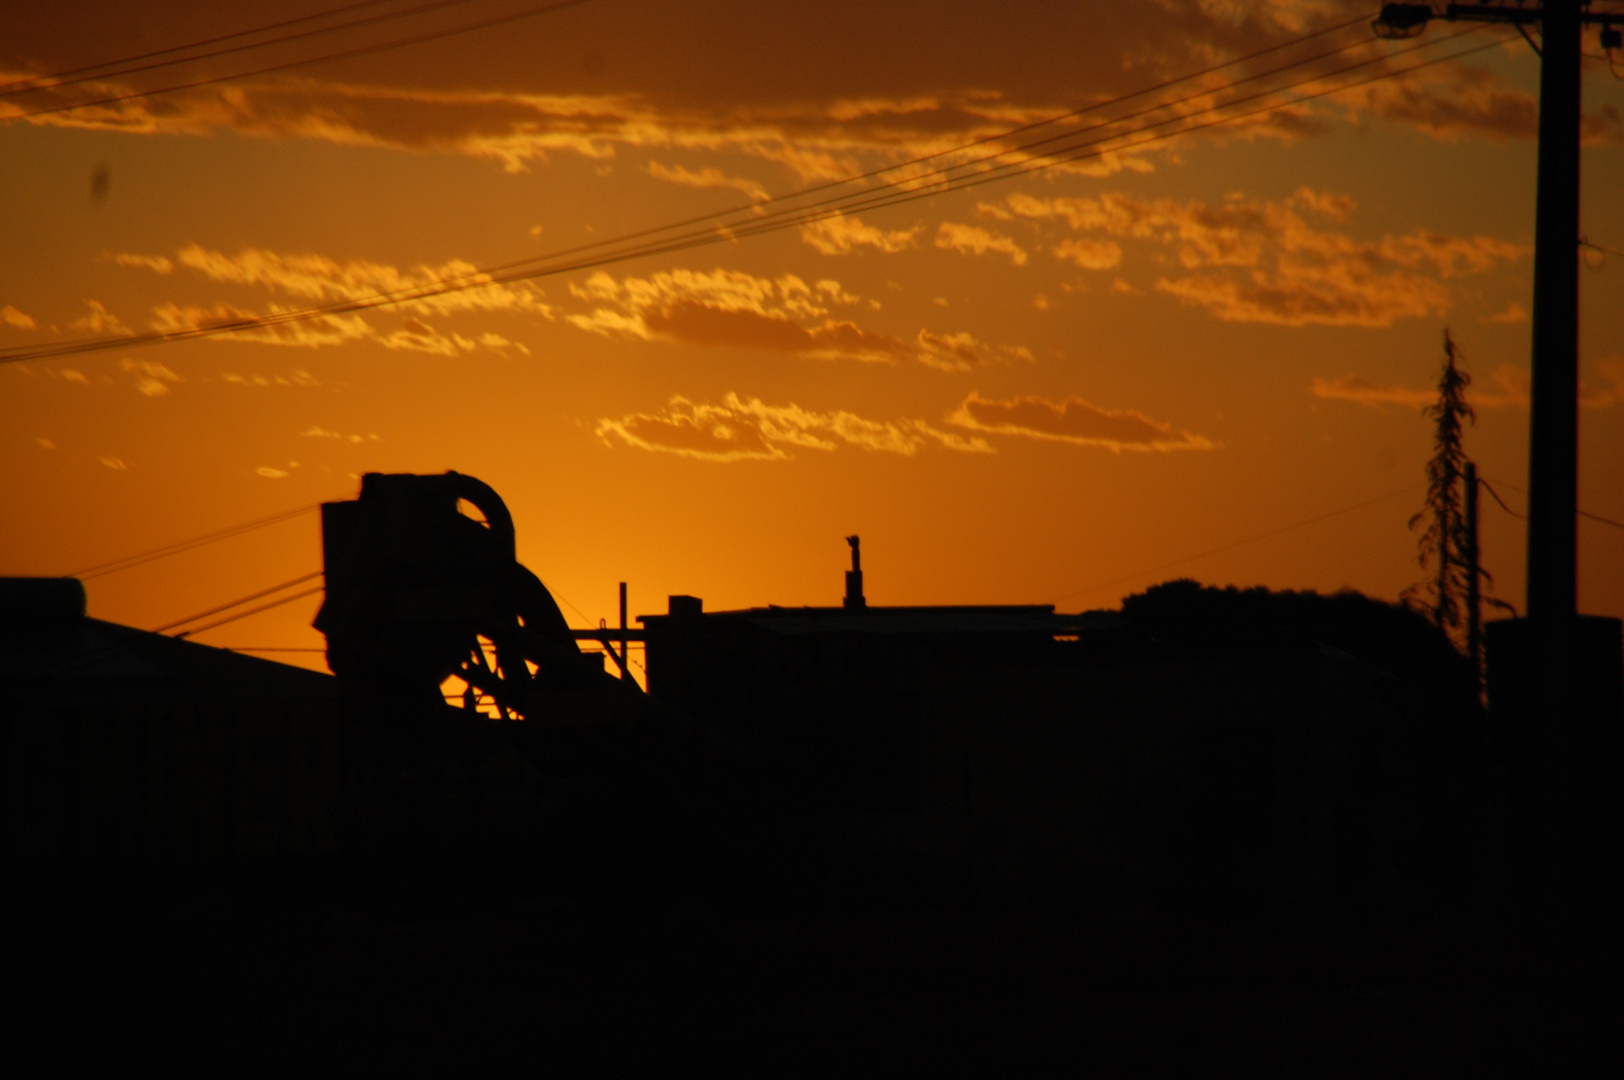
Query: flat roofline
[874,610]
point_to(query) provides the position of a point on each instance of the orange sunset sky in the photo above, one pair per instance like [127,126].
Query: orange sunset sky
[1059,387]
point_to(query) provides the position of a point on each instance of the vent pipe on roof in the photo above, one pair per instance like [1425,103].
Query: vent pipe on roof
[854,578]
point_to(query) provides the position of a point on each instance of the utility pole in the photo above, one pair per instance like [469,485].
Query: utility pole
[1553,453]
[1553,450]
[625,648]
[1474,591]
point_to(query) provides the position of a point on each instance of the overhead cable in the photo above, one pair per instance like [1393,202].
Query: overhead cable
[892,193]
[343,54]
[789,216]
[250,611]
[53,79]
[113,566]
[1582,513]
[238,602]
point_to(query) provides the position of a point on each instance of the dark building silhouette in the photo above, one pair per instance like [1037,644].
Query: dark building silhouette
[123,746]
[1201,751]
[1177,758]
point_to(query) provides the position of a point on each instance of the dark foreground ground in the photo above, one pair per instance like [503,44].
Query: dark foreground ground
[245,977]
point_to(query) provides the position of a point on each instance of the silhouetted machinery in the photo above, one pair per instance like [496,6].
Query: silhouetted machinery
[414,584]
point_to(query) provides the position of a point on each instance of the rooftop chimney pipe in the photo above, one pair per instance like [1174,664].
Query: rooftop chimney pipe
[854,578]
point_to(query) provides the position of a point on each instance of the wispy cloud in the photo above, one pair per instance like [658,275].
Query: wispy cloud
[742,429]
[706,177]
[734,309]
[812,100]
[12,317]
[1074,421]
[100,320]
[1260,261]
[1090,254]
[843,234]
[974,240]
[1513,314]
[1357,388]
[1506,387]
[152,379]
[319,279]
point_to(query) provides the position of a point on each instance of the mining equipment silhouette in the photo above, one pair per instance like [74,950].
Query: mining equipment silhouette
[1200,753]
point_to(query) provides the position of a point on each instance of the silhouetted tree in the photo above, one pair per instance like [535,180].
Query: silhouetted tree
[1445,546]
[1394,637]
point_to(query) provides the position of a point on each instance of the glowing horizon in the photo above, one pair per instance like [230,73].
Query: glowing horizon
[1202,356]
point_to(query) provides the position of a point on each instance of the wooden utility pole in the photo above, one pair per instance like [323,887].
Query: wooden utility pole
[1553,450]
[1544,690]
[625,648]
[1553,438]
[1474,594]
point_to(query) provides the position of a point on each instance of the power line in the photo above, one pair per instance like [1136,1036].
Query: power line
[251,611]
[52,80]
[1490,489]
[110,649]
[525,268]
[1241,543]
[1582,513]
[115,565]
[271,648]
[886,195]
[790,217]
[344,54]
[237,603]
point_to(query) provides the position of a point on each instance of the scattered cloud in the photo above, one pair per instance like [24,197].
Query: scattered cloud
[114,462]
[1090,254]
[101,321]
[843,233]
[1259,261]
[44,443]
[319,278]
[707,177]
[1514,313]
[271,473]
[748,429]
[1359,389]
[974,240]
[158,264]
[307,333]
[298,377]
[818,99]
[1506,387]
[1335,207]
[12,317]
[313,278]
[151,379]
[1074,421]
[316,431]
[734,309]
[1451,103]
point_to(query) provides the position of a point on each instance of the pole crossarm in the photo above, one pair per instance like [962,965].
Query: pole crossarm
[1407,20]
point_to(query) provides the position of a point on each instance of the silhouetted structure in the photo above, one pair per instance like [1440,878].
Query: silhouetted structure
[854,578]
[125,747]
[1202,751]
[413,584]
[1565,796]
